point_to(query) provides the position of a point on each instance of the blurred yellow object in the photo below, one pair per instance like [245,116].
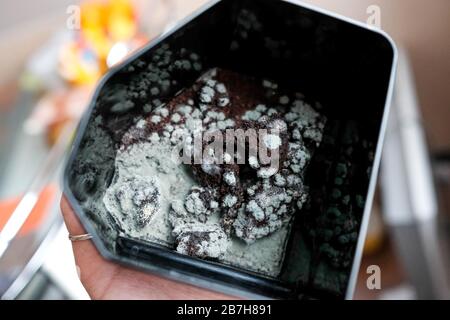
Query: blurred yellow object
[121,29]
[104,23]
[99,42]
[375,232]
[372,245]
[79,65]
[121,22]
[93,14]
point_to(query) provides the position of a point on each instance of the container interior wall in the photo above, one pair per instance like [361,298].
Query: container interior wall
[347,69]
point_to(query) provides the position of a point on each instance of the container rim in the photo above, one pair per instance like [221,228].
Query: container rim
[376,162]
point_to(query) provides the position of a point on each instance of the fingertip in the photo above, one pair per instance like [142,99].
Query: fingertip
[71,220]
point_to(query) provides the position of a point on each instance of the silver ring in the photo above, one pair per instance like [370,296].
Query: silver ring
[80,237]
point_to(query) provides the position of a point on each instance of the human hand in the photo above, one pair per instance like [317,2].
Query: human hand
[104,279]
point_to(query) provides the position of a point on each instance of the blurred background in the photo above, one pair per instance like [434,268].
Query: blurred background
[51,61]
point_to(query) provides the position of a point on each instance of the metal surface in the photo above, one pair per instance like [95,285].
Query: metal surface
[34,264]
[46,173]
[42,168]
[408,192]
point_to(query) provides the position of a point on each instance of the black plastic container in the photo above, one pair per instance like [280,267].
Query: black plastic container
[346,66]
